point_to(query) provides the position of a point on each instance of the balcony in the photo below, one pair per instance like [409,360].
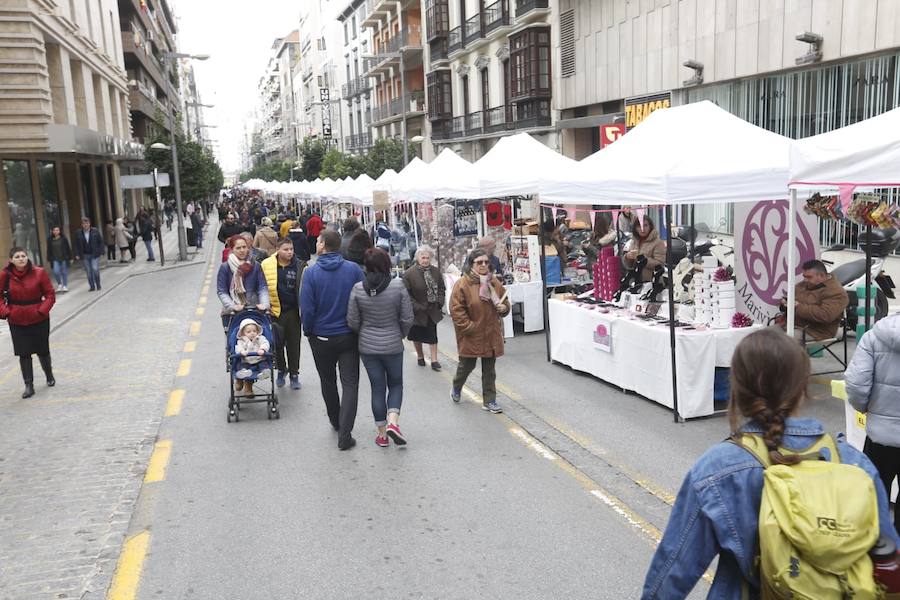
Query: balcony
[438,49]
[356,87]
[394,109]
[474,123]
[358,141]
[532,113]
[494,121]
[408,38]
[496,16]
[474,30]
[526,9]
[499,118]
[147,61]
[142,102]
[454,40]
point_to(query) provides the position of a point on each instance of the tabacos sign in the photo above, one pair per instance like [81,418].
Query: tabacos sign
[639,108]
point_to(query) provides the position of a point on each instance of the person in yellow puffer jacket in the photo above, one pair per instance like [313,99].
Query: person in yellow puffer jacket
[283,273]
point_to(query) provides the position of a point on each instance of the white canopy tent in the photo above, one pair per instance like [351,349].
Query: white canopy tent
[414,176]
[516,166]
[253,184]
[449,176]
[359,191]
[863,155]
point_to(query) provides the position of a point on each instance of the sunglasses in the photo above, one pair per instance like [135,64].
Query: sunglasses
[481,262]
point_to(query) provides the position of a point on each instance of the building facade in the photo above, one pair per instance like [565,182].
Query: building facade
[288,56]
[321,65]
[490,68]
[194,123]
[396,68]
[65,130]
[356,86]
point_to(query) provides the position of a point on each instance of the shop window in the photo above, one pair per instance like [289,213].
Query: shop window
[49,194]
[529,55]
[440,90]
[22,219]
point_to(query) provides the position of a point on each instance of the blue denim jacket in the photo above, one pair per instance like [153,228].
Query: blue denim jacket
[717,513]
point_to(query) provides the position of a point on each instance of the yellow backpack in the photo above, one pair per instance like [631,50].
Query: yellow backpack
[818,519]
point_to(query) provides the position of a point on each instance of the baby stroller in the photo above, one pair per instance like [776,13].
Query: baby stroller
[233,360]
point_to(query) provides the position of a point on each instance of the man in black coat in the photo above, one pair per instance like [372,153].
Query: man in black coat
[89,247]
[229,228]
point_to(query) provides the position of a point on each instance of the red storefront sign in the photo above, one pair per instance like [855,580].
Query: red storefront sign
[610,133]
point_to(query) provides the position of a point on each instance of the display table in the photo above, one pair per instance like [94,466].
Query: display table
[530,295]
[639,359]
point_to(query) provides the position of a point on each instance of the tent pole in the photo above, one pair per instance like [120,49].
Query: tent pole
[868,274]
[792,261]
[670,285]
[415,222]
[543,277]
[693,233]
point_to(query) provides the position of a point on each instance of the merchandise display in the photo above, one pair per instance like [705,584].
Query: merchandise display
[607,273]
[863,209]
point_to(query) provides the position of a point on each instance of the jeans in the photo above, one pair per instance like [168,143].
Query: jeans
[330,353]
[386,378]
[887,460]
[110,252]
[61,272]
[488,376]
[198,233]
[149,245]
[287,339]
[92,268]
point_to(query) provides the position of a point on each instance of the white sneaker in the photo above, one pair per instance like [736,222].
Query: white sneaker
[243,373]
[65,288]
[59,288]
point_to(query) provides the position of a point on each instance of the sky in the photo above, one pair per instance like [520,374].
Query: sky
[238,36]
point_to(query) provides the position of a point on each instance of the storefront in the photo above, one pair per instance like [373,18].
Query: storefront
[78,176]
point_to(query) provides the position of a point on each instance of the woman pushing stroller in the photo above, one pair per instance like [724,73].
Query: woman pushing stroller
[240,283]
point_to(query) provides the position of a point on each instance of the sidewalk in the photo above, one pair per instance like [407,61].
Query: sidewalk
[113,273]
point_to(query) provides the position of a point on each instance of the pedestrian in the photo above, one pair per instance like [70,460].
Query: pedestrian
[197,226]
[283,272]
[400,245]
[145,223]
[381,314]
[123,238]
[89,247]
[382,236]
[240,282]
[133,235]
[229,228]
[324,297]
[873,388]
[59,253]
[357,245]
[169,211]
[25,302]
[489,245]
[285,226]
[300,241]
[477,304]
[313,227]
[717,509]
[266,239]
[109,238]
[427,292]
[247,224]
[252,346]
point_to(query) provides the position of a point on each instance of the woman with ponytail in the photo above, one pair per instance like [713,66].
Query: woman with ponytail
[716,512]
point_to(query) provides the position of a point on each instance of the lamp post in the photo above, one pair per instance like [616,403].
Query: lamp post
[182,236]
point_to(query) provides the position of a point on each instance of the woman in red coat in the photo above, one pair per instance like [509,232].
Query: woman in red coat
[26,297]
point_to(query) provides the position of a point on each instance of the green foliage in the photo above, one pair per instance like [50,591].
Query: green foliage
[312,153]
[387,153]
[331,162]
[275,170]
[200,174]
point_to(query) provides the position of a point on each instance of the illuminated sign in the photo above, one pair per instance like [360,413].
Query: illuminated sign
[638,109]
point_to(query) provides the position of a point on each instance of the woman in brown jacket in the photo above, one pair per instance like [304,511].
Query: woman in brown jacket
[426,290]
[266,239]
[645,242]
[477,304]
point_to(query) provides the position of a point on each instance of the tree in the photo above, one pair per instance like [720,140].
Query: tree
[331,164]
[200,174]
[312,152]
[270,171]
[387,153]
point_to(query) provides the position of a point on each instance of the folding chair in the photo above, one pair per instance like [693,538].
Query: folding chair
[814,347]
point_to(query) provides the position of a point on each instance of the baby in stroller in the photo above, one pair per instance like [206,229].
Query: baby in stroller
[251,345]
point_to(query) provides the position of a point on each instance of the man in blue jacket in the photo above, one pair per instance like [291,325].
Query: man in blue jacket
[324,295]
[89,247]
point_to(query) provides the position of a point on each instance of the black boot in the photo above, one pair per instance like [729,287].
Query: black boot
[48,369]
[27,375]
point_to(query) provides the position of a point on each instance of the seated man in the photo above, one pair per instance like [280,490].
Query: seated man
[820,303]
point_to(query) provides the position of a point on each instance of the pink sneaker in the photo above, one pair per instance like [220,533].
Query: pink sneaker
[394,433]
[382,441]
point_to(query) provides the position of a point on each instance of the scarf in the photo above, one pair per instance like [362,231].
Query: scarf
[239,269]
[431,286]
[484,289]
[376,283]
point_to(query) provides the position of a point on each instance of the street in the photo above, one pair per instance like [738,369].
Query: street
[129,461]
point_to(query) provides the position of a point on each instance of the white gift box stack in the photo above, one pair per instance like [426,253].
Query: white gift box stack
[723,292]
[705,299]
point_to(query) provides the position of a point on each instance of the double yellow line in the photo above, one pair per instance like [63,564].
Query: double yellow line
[127,577]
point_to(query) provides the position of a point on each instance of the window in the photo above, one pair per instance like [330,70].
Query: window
[529,54]
[507,88]
[22,219]
[354,29]
[346,35]
[485,89]
[465,94]
[437,18]
[320,44]
[440,95]
[567,43]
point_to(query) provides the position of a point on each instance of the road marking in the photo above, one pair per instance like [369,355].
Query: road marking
[190,346]
[202,299]
[128,570]
[200,310]
[195,328]
[184,368]
[205,290]
[159,460]
[174,405]
[533,443]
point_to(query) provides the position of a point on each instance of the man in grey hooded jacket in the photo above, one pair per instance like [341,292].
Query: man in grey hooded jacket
[873,387]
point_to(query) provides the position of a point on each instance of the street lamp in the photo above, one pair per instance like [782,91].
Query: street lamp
[182,236]
[403,105]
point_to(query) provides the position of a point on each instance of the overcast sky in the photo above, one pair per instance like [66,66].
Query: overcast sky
[238,35]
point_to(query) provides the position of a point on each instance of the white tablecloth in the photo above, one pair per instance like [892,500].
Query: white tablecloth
[640,360]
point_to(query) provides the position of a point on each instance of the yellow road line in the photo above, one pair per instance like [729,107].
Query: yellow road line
[190,346]
[159,460]
[128,570]
[205,290]
[200,310]
[174,405]
[184,368]
[202,299]
[195,328]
